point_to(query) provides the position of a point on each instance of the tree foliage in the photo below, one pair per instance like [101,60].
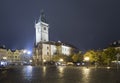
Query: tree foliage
[109,55]
[77,57]
[56,58]
[92,55]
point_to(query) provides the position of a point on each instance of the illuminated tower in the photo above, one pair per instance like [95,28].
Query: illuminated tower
[42,29]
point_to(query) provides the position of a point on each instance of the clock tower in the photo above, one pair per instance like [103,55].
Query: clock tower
[42,29]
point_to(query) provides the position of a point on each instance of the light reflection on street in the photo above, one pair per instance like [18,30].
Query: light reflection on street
[27,72]
[61,70]
[59,74]
[44,70]
[86,75]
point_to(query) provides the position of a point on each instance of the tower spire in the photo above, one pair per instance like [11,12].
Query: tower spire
[42,17]
[42,29]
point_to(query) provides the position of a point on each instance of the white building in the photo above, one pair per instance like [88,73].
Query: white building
[42,28]
[44,49]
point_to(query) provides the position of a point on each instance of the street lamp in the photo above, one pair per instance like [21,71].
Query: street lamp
[30,61]
[25,56]
[87,60]
[61,60]
[5,58]
[118,55]
[44,60]
[4,61]
[27,52]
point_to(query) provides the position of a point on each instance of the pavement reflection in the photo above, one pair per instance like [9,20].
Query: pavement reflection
[44,71]
[27,72]
[86,74]
[59,74]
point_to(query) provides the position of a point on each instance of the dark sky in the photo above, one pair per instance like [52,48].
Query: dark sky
[87,24]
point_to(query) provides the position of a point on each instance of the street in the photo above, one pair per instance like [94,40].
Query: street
[59,74]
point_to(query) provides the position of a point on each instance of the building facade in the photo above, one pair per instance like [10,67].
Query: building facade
[116,44]
[44,49]
[42,29]
[13,57]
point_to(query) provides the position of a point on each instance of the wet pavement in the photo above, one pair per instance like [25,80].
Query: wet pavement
[59,74]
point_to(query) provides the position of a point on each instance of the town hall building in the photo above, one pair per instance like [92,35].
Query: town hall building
[44,49]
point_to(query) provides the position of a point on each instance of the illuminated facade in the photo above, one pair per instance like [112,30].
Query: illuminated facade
[16,57]
[3,56]
[8,56]
[42,29]
[44,49]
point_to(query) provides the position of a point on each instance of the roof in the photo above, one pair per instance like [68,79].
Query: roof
[115,44]
[42,17]
[59,43]
[2,47]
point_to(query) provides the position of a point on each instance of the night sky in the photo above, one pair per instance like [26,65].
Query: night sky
[87,24]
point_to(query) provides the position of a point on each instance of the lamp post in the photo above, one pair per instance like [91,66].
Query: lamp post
[5,58]
[87,60]
[118,55]
[5,61]
[25,56]
[61,61]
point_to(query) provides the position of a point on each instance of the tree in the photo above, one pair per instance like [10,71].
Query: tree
[77,57]
[99,58]
[56,58]
[92,55]
[109,54]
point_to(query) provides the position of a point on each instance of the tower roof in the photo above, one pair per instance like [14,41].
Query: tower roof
[42,17]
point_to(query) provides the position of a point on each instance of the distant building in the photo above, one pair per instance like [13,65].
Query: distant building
[44,49]
[13,57]
[116,44]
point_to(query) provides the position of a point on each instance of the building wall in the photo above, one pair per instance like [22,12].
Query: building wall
[46,52]
[17,56]
[45,34]
[49,50]
[3,53]
[66,50]
[42,33]
[38,32]
[53,49]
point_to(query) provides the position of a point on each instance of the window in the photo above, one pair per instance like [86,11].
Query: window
[44,28]
[15,56]
[47,48]
[47,53]
[44,40]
